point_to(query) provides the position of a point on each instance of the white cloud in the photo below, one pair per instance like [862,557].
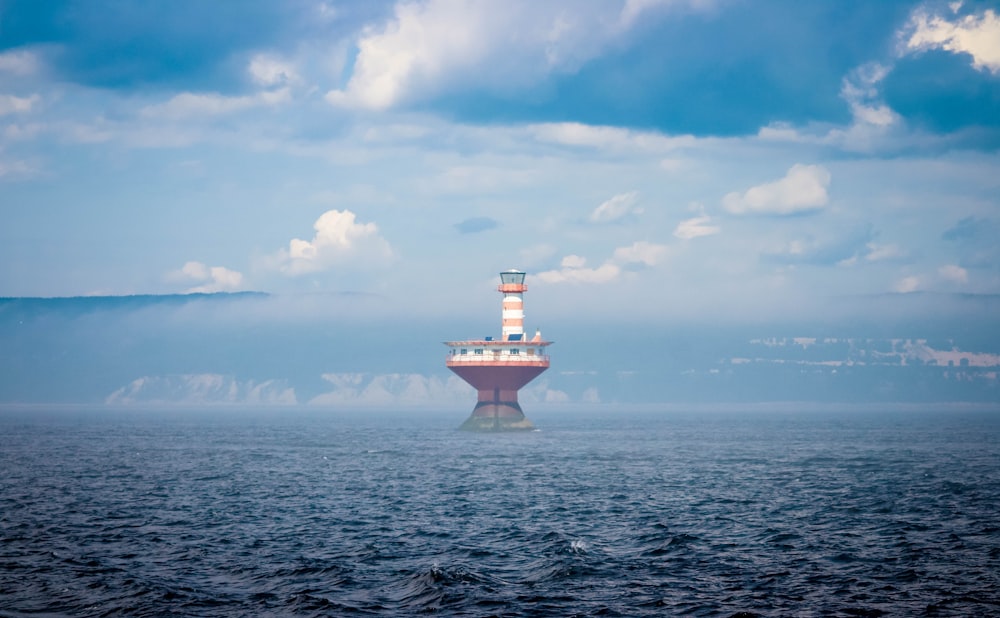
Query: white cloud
[873,126]
[339,236]
[695,227]
[271,71]
[948,275]
[326,11]
[418,46]
[640,252]
[607,138]
[873,123]
[15,169]
[907,284]
[860,90]
[189,104]
[18,62]
[577,274]
[954,274]
[616,208]
[801,190]
[573,268]
[426,48]
[880,253]
[976,35]
[10,104]
[206,279]
[634,9]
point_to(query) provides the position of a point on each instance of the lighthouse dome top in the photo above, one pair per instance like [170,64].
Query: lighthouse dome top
[512,276]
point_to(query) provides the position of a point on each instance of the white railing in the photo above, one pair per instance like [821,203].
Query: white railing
[490,357]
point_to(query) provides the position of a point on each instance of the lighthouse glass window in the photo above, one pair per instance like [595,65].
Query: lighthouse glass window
[512,277]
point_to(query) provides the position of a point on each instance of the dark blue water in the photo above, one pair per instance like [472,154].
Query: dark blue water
[281,513]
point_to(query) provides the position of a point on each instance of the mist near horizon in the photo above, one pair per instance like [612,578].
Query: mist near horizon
[337,350]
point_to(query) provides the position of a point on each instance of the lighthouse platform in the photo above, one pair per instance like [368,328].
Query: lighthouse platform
[497,370]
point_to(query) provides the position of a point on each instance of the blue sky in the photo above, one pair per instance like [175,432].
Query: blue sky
[640,158]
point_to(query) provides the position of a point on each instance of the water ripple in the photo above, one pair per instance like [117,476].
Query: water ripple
[318,515]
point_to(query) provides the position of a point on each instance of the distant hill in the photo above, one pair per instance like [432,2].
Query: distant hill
[254,348]
[31,307]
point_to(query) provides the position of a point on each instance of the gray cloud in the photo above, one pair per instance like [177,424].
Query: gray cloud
[967,229]
[474,225]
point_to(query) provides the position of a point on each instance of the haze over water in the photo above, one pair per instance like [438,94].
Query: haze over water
[237,512]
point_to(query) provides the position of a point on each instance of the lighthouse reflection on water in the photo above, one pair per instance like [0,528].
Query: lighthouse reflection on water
[498,368]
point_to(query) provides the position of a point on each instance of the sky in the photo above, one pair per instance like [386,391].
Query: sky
[640,159]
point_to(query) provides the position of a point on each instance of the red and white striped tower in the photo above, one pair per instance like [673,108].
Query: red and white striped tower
[498,369]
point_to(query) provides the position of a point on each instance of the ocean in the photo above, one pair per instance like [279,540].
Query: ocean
[600,512]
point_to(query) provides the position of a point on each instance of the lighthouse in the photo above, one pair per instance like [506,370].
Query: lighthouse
[498,368]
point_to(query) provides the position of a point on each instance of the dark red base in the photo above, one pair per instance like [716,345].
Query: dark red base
[496,415]
[497,408]
[502,417]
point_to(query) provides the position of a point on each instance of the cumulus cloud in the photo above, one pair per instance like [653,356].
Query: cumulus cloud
[269,71]
[908,284]
[569,274]
[695,227]
[428,47]
[947,276]
[803,189]
[13,169]
[875,252]
[640,252]
[975,35]
[10,104]
[954,274]
[339,237]
[872,121]
[882,253]
[190,104]
[840,248]
[860,90]
[634,9]
[421,45]
[18,62]
[616,208]
[206,279]
[607,138]
[574,269]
